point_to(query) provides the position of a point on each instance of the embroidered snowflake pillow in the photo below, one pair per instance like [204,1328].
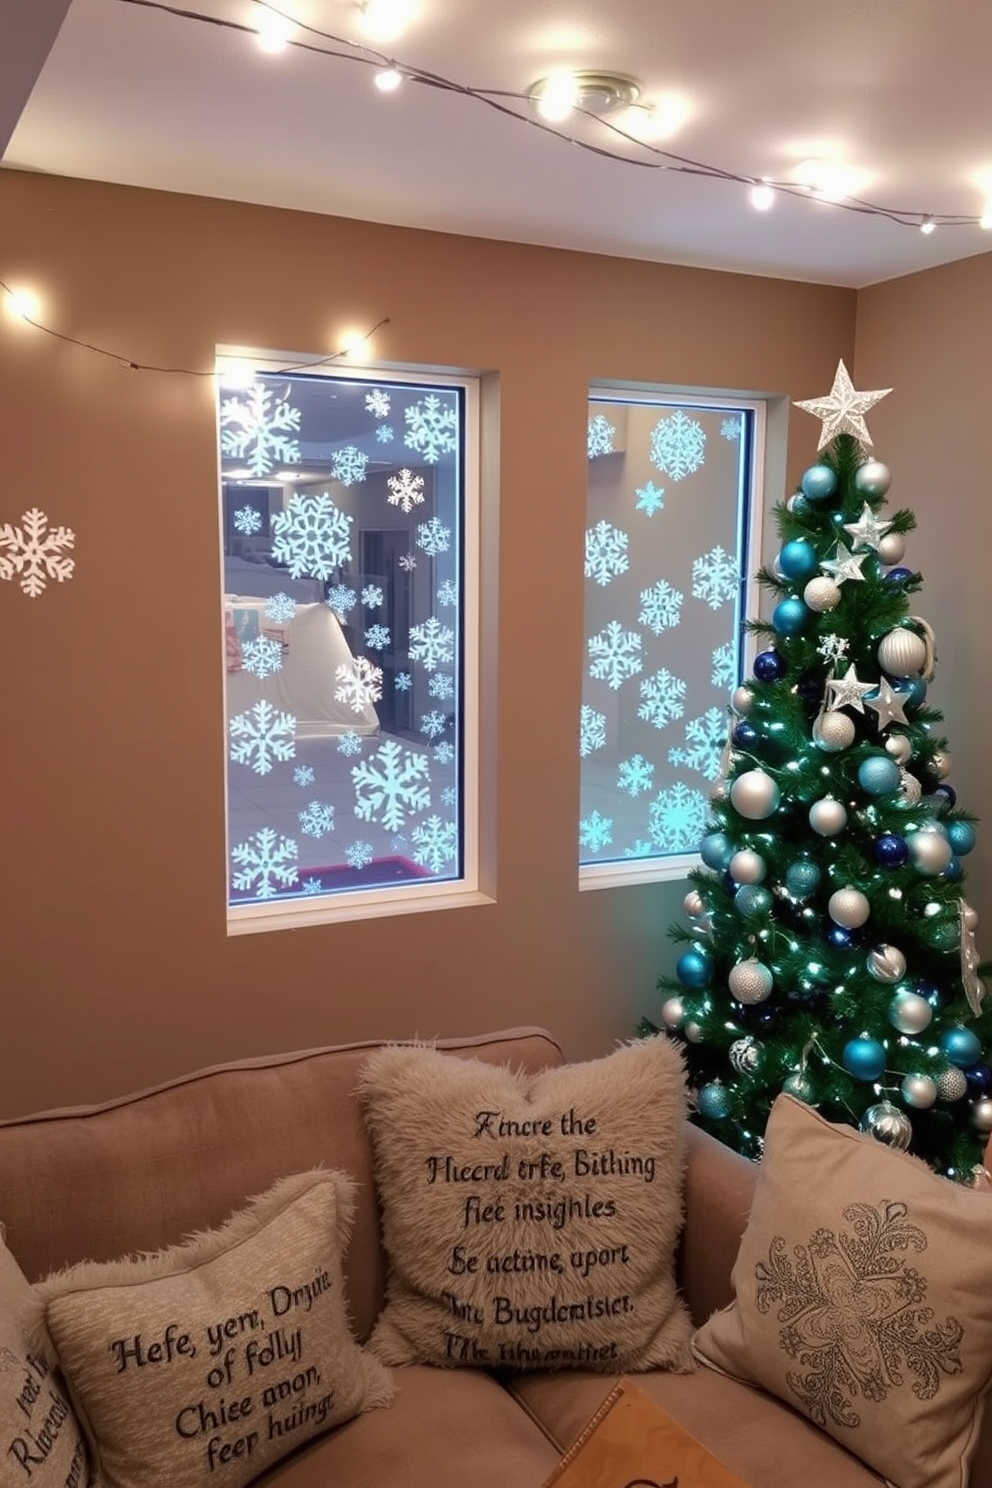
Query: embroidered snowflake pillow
[863,1291]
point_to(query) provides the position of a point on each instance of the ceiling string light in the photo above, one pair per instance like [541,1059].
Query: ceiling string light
[502,100]
[23,305]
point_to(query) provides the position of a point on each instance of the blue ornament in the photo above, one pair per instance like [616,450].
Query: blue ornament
[930,991]
[961,1046]
[694,968]
[890,851]
[979,1078]
[897,575]
[746,736]
[948,792]
[954,871]
[864,1058]
[961,836]
[713,1101]
[752,901]
[798,560]
[716,850]
[790,616]
[798,505]
[802,878]
[819,483]
[912,690]
[878,775]
[769,666]
[842,937]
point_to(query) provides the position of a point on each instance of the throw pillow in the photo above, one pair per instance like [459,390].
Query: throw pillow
[211,1360]
[530,1221]
[40,1440]
[863,1298]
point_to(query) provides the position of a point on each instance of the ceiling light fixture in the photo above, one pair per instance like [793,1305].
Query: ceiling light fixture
[598,93]
[388,79]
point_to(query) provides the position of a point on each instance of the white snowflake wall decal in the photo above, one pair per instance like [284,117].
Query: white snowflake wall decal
[265,861]
[592,730]
[33,555]
[676,819]
[595,832]
[312,537]
[257,430]
[261,656]
[614,654]
[280,607]
[432,428]
[678,445]
[599,438]
[359,683]
[724,673]
[248,521]
[317,819]
[359,854]
[341,599]
[432,644]
[377,403]
[433,536]
[715,577]
[391,784]
[435,843]
[661,698]
[406,490]
[705,740]
[606,552]
[635,775]
[349,465]
[661,607]
[262,737]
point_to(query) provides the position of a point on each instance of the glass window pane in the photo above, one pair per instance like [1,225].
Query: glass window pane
[666,564]
[342,527]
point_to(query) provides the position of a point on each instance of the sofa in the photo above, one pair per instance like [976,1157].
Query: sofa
[140,1172]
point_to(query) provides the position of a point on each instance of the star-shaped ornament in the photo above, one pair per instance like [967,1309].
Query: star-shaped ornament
[867,531]
[888,705]
[833,647]
[844,565]
[847,691]
[843,410]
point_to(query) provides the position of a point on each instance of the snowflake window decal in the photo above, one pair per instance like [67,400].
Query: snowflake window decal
[265,862]
[359,683]
[431,428]
[248,521]
[435,843]
[599,440]
[33,553]
[406,490]
[606,552]
[391,784]
[312,537]
[678,445]
[259,430]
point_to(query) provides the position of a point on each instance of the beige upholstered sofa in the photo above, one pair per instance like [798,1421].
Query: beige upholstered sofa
[141,1172]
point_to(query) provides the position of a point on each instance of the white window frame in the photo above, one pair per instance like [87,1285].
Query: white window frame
[361,904]
[669,867]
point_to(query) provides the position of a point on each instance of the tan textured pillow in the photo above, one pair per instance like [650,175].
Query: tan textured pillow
[530,1220]
[863,1298]
[210,1361]
[41,1444]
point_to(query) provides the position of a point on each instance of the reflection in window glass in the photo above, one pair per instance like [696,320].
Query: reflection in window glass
[665,569]
[342,525]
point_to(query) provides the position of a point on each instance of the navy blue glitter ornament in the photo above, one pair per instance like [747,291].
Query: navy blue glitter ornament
[745,735]
[842,937]
[897,575]
[890,851]
[948,792]
[769,666]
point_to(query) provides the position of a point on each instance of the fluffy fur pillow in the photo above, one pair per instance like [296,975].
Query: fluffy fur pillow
[530,1220]
[41,1444]
[210,1361]
[863,1298]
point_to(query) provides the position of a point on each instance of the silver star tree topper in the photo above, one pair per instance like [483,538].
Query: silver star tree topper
[843,409]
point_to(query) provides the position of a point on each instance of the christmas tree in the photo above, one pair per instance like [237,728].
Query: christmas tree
[829,950]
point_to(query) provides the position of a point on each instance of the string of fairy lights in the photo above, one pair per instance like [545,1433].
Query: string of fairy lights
[549,109]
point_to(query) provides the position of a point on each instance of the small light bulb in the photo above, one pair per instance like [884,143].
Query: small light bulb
[384,20]
[557,97]
[928,226]
[762,196]
[388,79]
[352,342]
[274,32]
[986,218]
[22,304]
[237,373]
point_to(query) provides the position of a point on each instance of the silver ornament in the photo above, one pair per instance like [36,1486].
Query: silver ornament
[821,594]
[981,1115]
[910,1013]
[899,747]
[834,731]
[750,981]
[892,548]
[919,1091]
[873,479]
[800,1086]
[672,1012]
[745,1055]
[910,789]
[951,1083]
[902,653]
[848,907]
[929,851]
[747,867]
[693,904]
[755,795]
[828,817]
[742,701]
[940,765]
[887,963]
[693,1033]
[888,1125]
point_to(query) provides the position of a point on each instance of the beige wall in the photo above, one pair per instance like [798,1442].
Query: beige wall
[116,967]
[927,337]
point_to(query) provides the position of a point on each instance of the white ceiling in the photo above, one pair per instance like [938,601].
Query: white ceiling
[896,90]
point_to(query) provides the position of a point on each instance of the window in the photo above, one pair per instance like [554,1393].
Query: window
[347,524]
[668,549]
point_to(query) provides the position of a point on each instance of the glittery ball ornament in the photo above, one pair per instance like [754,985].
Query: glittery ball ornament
[886,964]
[799,1085]
[898,747]
[693,1032]
[902,653]
[713,1101]
[818,483]
[961,836]
[878,775]
[892,548]
[961,1046]
[864,1058]
[716,850]
[890,851]
[693,904]
[910,789]
[919,1091]
[747,867]
[981,1115]
[798,560]
[822,595]
[673,1012]
[848,907]
[888,1125]
[755,795]
[828,817]
[872,478]
[790,616]
[834,731]
[802,878]
[745,1055]
[929,852]
[951,1084]
[909,1012]
[770,666]
[940,765]
[753,901]
[750,982]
